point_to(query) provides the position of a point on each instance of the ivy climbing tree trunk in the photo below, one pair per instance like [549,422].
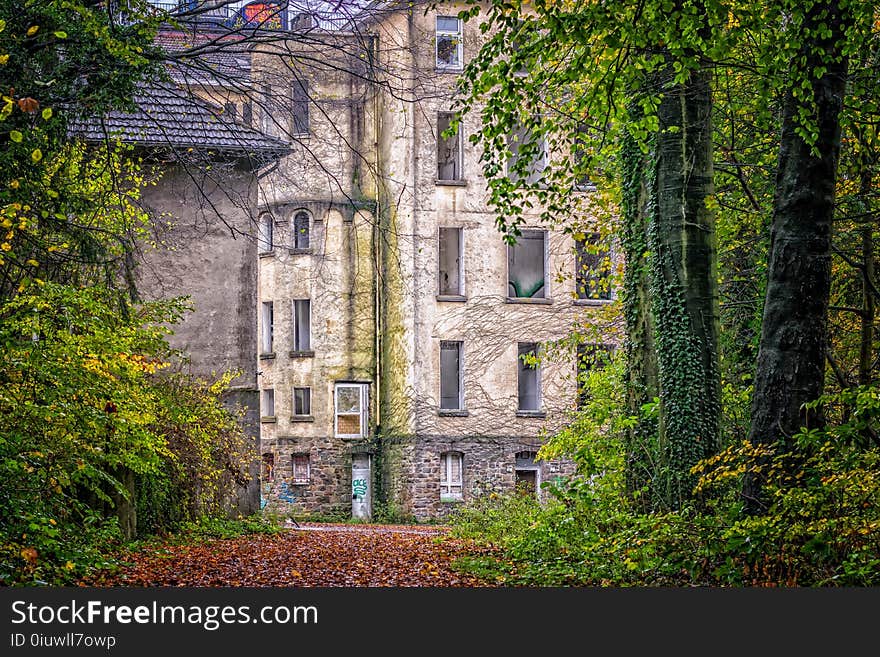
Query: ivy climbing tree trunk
[684,286]
[793,348]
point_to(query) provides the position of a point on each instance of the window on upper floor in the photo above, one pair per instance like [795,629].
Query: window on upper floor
[590,358]
[592,267]
[264,233]
[267,403]
[351,410]
[451,476]
[528,155]
[528,377]
[302,402]
[527,266]
[451,397]
[300,110]
[301,238]
[449,43]
[449,151]
[267,327]
[450,261]
[302,320]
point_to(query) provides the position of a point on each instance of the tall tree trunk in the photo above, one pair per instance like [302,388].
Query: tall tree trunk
[641,357]
[684,284]
[866,347]
[791,356]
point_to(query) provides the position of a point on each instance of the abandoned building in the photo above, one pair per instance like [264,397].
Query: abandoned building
[381,325]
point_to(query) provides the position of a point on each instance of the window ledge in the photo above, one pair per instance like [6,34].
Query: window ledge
[448,69]
[267,254]
[267,419]
[302,418]
[444,499]
[534,414]
[299,483]
[269,356]
[302,354]
[452,412]
[591,302]
[450,183]
[307,251]
[451,298]
[543,301]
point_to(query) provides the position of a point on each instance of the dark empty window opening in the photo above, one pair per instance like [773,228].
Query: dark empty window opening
[302,401]
[247,114]
[302,333]
[526,266]
[450,262]
[268,470]
[528,377]
[301,230]
[450,376]
[268,326]
[590,358]
[526,473]
[448,149]
[592,268]
[300,109]
[231,111]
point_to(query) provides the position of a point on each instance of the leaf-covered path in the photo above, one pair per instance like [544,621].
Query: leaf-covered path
[313,555]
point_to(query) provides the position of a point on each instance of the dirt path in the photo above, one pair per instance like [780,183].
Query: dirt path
[312,555]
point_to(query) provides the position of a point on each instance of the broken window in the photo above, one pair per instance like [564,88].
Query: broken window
[528,377]
[592,268]
[264,234]
[299,464]
[590,358]
[526,266]
[302,401]
[268,470]
[450,376]
[351,410]
[268,327]
[302,312]
[448,149]
[528,155]
[450,262]
[451,476]
[301,230]
[449,44]
[267,408]
[300,109]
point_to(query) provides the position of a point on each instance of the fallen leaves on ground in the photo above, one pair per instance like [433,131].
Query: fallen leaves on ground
[314,555]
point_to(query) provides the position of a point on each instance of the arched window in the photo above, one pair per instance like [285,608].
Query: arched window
[301,230]
[451,476]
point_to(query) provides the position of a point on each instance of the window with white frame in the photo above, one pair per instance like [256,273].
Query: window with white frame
[527,266]
[299,464]
[302,401]
[449,43]
[351,405]
[451,397]
[267,406]
[592,267]
[448,148]
[301,230]
[302,319]
[451,476]
[528,377]
[264,234]
[450,261]
[267,325]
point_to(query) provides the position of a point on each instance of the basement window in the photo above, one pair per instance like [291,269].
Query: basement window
[590,358]
[351,410]
[451,476]
[448,149]
[302,402]
[267,328]
[592,268]
[450,259]
[451,397]
[302,318]
[528,377]
[267,405]
[268,470]
[448,43]
[299,464]
[527,473]
[264,233]
[527,266]
[301,231]
[300,110]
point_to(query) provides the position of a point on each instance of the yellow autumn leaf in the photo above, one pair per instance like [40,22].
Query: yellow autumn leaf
[32,30]
[37,155]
